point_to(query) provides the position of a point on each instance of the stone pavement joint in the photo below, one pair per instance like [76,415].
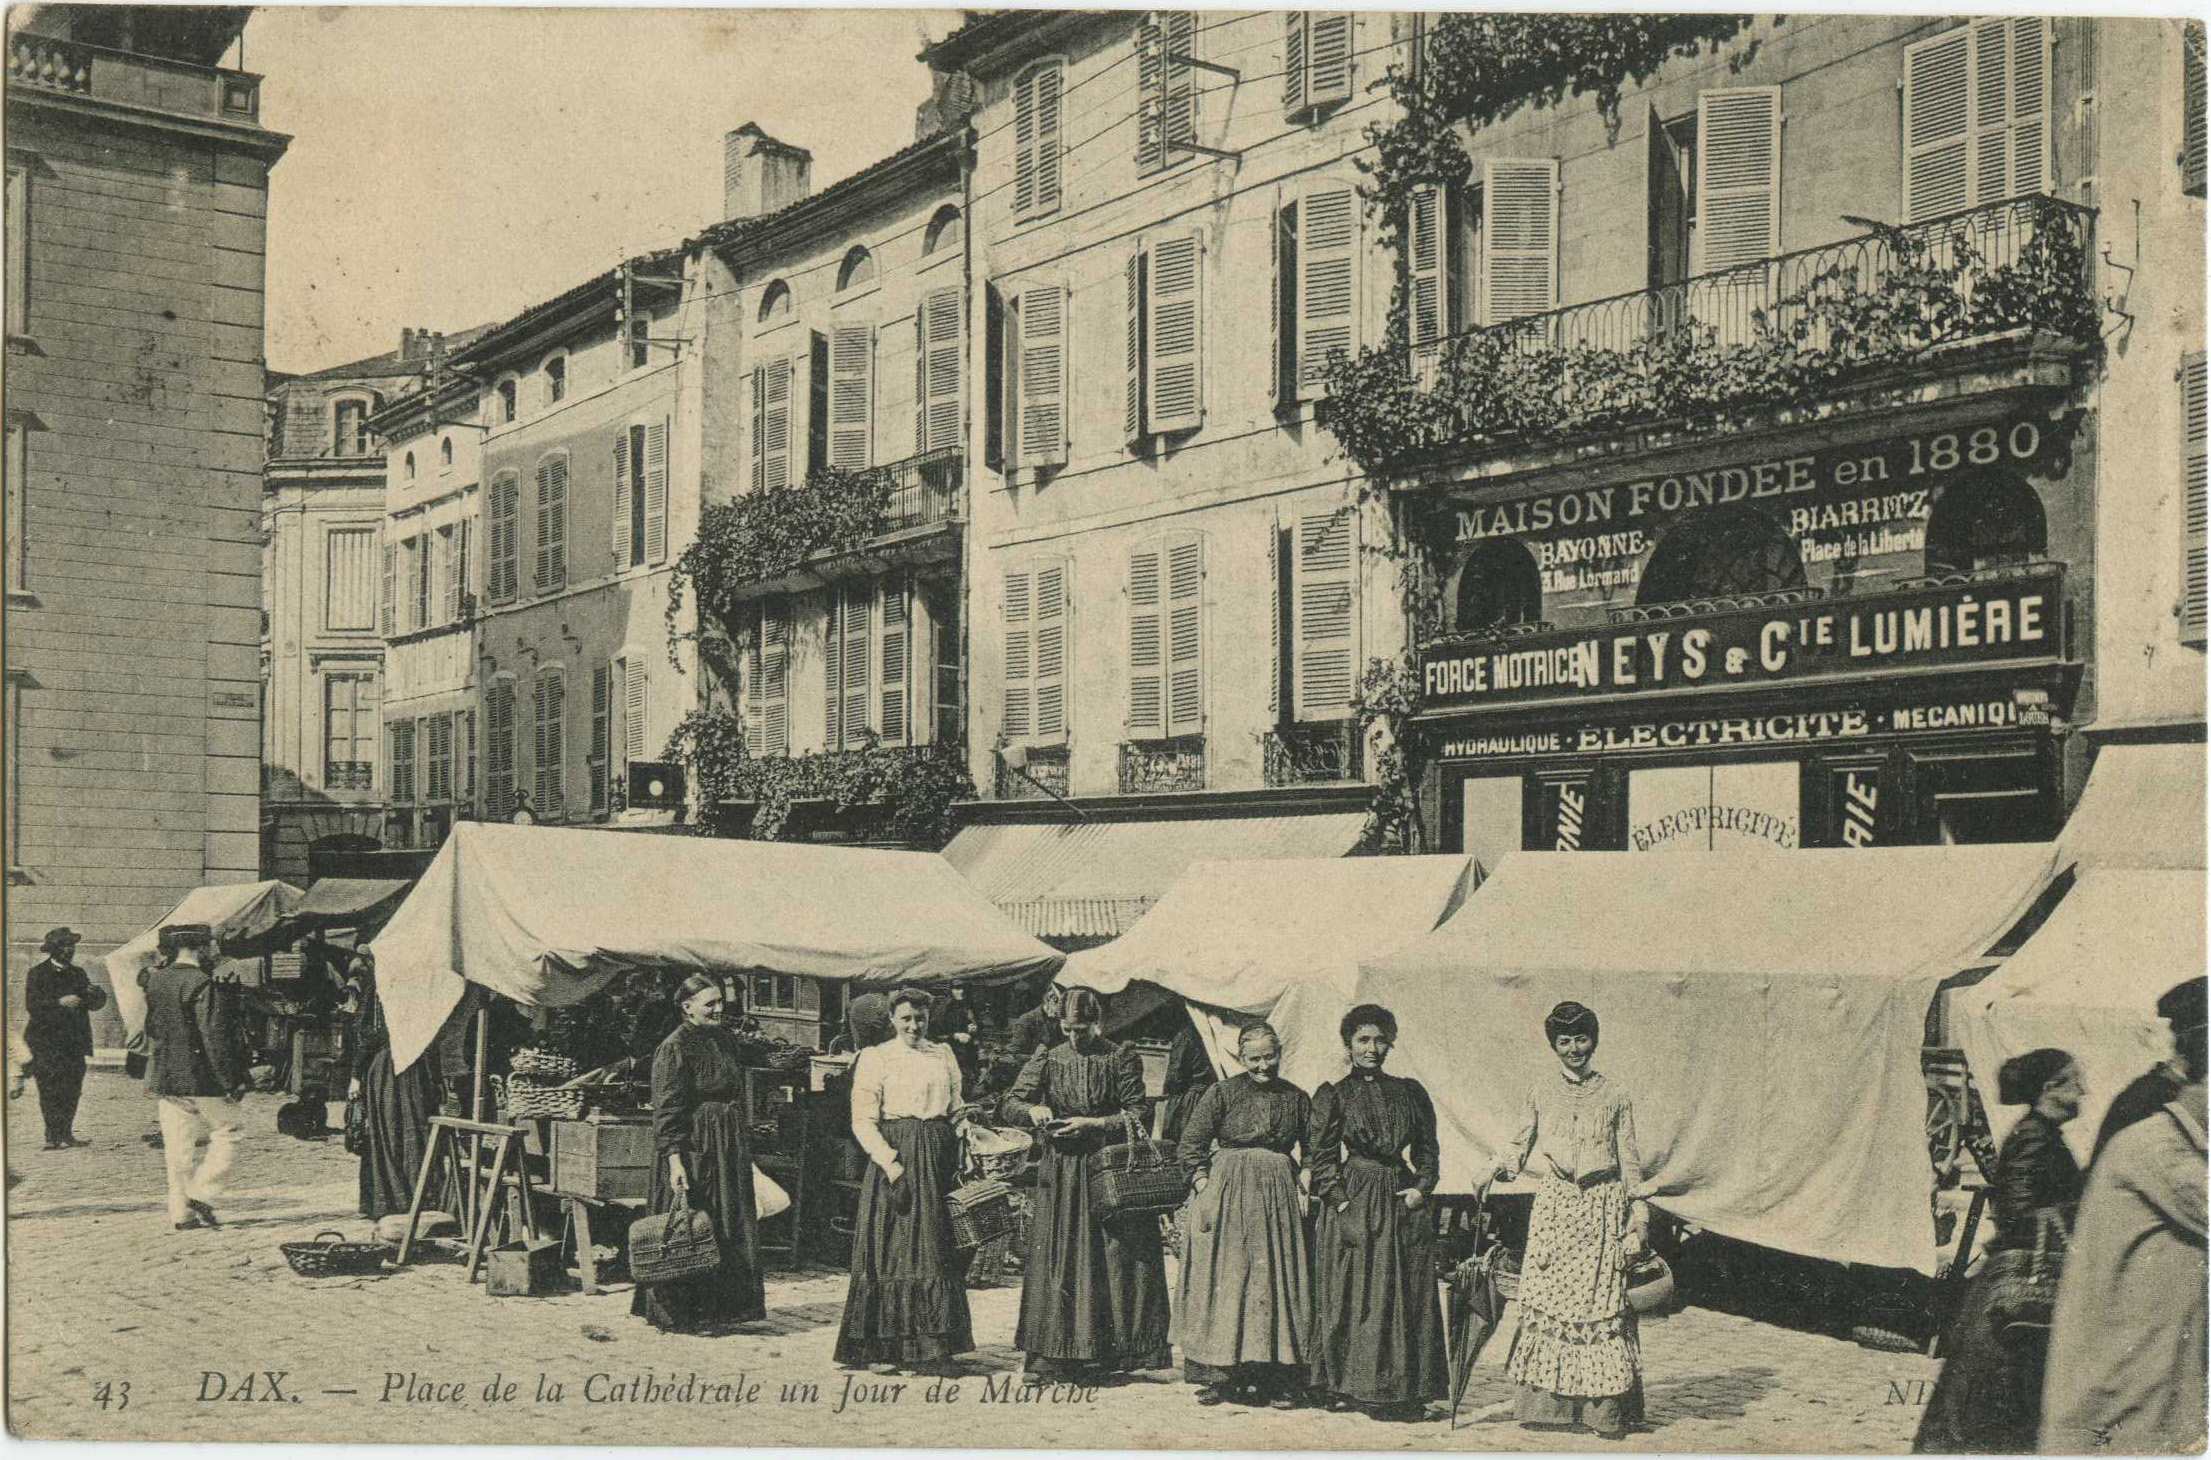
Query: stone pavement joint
[116,1324]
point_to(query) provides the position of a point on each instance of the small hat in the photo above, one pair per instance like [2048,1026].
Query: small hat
[60,938]
[186,935]
[2182,1005]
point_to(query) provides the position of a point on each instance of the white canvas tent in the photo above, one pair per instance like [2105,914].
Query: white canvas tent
[1278,940]
[233,911]
[1766,1013]
[546,916]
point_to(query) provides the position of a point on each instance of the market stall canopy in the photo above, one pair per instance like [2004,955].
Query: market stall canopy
[1094,879]
[335,902]
[1277,940]
[2088,982]
[238,913]
[2143,807]
[1764,1010]
[545,916]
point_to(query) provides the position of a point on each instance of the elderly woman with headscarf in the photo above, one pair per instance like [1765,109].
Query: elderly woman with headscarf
[395,1108]
[1576,1361]
[1094,1294]
[1244,1309]
[1373,1161]
[702,1158]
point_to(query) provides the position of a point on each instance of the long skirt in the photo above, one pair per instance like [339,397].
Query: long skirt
[1094,1294]
[908,1300]
[1577,1359]
[720,1166]
[395,1131]
[1244,1294]
[1988,1399]
[1378,1327]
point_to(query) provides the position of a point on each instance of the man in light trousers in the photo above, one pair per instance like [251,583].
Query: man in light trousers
[197,1072]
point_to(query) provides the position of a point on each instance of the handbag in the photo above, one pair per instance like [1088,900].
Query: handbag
[1136,1176]
[2023,1280]
[676,1244]
[356,1127]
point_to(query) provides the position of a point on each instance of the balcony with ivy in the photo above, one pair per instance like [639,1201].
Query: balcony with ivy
[835,526]
[1987,299]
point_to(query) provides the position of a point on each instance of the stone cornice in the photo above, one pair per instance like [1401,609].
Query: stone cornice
[255,140]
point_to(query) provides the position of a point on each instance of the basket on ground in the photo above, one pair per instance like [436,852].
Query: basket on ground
[334,1257]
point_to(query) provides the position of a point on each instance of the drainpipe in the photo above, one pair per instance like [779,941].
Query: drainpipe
[974,442]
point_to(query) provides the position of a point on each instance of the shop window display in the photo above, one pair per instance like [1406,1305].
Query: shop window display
[1723,553]
[1986,520]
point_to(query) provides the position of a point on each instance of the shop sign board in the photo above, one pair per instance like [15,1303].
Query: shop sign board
[1973,623]
[1736,732]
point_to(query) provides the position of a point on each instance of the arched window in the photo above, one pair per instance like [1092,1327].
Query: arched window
[775,302]
[1720,553]
[858,269]
[556,379]
[351,433]
[410,466]
[1498,585]
[445,452]
[1985,519]
[943,230]
[507,399]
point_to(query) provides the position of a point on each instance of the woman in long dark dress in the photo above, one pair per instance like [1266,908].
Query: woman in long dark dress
[1373,1162]
[1243,1303]
[395,1108]
[907,1304]
[1989,1396]
[1094,1294]
[702,1155]
[1189,1075]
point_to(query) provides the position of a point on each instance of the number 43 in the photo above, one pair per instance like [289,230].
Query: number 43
[116,1396]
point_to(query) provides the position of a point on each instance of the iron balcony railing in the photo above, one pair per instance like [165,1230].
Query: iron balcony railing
[44,63]
[924,489]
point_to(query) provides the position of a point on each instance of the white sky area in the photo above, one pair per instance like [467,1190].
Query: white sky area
[452,166]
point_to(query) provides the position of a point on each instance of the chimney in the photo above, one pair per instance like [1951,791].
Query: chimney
[761,175]
[406,345]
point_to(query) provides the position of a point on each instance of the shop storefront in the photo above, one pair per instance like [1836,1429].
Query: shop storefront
[1819,638]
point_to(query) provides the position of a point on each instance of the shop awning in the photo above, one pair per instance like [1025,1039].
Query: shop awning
[546,916]
[2143,807]
[2088,981]
[332,903]
[1277,940]
[1094,879]
[238,913]
[1765,1011]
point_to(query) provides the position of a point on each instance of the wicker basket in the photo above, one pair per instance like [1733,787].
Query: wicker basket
[999,1153]
[335,1257]
[678,1243]
[521,1099]
[1139,1177]
[542,1067]
[980,1211]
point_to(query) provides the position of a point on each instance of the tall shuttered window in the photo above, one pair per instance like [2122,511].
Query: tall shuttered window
[938,341]
[630,681]
[549,740]
[417,556]
[499,731]
[503,571]
[1976,116]
[1519,253]
[894,676]
[1164,388]
[847,637]
[2192,108]
[1037,152]
[640,495]
[1038,650]
[852,397]
[1166,88]
[1324,617]
[552,525]
[1166,638]
[602,709]
[437,780]
[1317,270]
[349,731]
[403,762]
[2195,505]
[1738,189]
[1036,376]
[771,426]
[1316,62]
[768,681]
[18,225]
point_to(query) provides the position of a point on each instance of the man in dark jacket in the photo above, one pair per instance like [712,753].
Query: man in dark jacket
[193,1061]
[59,1000]
[953,1022]
[2182,1007]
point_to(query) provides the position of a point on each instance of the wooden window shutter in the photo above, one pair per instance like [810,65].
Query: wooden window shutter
[1284,320]
[756,700]
[449,575]
[2027,123]
[897,642]
[1293,64]
[403,761]
[1036,118]
[2195,573]
[1427,278]
[623,486]
[1024,144]
[635,690]
[552,524]
[499,750]
[1051,646]
[1938,126]
[656,492]
[859,610]
[549,740]
[418,581]
[1042,321]
[940,370]
[440,778]
[464,565]
[759,425]
[771,456]
[1326,613]
[852,397]
[1185,635]
[2192,121]
[832,669]
[817,408]
[1017,721]
[775,679]
[1327,58]
[1275,602]
[1327,283]
[1520,237]
[997,379]
[1174,295]
[1132,384]
[602,705]
[1147,642]
[1738,177]
[1166,89]
[389,613]
[506,537]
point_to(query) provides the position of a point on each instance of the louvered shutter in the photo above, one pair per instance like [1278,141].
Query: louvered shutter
[1185,636]
[2029,121]
[1274,621]
[852,397]
[1327,284]
[499,750]
[454,569]
[816,396]
[756,680]
[552,524]
[1328,58]
[832,670]
[1132,383]
[897,642]
[1018,719]
[634,707]
[1427,280]
[602,704]
[1024,144]
[2195,504]
[1738,177]
[389,613]
[940,370]
[1179,102]
[1325,591]
[2010,105]
[506,537]
[1036,118]
[758,435]
[1042,322]
[775,723]
[539,724]
[1293,64]
[1174,295]
[464,567]
[771,426]
[622,489]
[859,605]
[1050,677]
[656,492]
[1937,126]
[441,758]
[552,711]
[1520,237]
[1151,95]
[2192,121]
[1147,643]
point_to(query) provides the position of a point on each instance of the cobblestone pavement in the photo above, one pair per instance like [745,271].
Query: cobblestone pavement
[102,1293]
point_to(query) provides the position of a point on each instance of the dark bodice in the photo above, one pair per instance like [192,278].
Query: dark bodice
[1380,1117]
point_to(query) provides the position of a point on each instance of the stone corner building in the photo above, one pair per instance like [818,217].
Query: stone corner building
[137,186]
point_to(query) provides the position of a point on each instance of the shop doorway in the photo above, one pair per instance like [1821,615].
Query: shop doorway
[1715,808]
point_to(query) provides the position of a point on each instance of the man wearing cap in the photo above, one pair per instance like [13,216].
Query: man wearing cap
[193,1061]
[59,999]
[2182,1007]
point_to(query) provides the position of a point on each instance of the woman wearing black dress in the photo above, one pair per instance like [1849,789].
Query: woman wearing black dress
[703,1157]
[395,1108]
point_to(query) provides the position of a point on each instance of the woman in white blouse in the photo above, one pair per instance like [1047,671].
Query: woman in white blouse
[907,1306]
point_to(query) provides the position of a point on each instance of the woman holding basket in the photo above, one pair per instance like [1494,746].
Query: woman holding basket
[1094,1295]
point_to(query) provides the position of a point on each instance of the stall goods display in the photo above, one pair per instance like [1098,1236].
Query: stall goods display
[330,1255]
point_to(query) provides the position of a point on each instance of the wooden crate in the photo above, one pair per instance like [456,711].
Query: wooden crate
[605,1160]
